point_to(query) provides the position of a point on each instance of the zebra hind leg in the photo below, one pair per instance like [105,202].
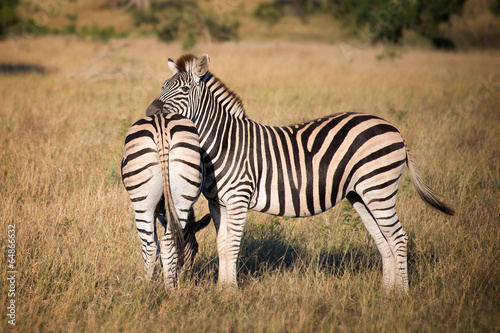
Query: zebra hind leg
[150,246]
[385,228]
[168,256]
[167,251]
[144,200]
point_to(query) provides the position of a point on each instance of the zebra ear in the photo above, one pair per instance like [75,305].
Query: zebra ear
[202,65]
[172,66]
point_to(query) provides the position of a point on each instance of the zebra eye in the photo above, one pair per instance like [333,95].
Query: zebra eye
[185,88]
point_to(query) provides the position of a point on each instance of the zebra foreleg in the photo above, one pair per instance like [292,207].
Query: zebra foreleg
[229,222]
[220,221]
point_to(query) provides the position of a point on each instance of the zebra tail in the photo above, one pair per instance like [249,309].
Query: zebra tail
[172,220]
[426,194]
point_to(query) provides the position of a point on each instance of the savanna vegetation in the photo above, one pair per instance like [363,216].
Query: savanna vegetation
[442,24]
[67,102]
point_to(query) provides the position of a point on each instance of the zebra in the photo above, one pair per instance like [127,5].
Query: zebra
[162,171]
[296,171]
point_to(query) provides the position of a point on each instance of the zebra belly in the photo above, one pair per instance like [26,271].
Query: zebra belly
[290,208]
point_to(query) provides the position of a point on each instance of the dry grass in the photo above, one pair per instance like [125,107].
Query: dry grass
[78,255]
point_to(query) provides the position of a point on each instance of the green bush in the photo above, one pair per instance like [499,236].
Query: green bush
[495,7]
[269,12]
[173,19]
[190,40]
[222,30]
[144,17]
[375,20]
[101,34]
[9,16]
[168,32]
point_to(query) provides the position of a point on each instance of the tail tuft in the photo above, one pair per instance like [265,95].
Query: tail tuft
[425,193]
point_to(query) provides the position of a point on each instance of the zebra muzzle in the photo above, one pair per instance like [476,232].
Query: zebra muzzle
[154,107]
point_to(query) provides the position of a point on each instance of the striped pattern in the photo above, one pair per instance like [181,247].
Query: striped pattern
[162,172]
[297,170]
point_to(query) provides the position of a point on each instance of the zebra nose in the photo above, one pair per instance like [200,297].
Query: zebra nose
[154,107]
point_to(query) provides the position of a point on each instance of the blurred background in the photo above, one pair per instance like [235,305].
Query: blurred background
[451,25]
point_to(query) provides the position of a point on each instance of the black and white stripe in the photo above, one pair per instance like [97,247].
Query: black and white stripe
[296,170]
[162,172]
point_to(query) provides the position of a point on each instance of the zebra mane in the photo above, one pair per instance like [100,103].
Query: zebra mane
[186,62]
[230,101]
[228,98]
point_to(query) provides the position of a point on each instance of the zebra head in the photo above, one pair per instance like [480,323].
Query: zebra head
[180,93]
[190,242]
[189,234]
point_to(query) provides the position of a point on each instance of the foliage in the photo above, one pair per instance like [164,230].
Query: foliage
[270,12]
[93,32]
[8,16]
[101,33]
[34,28]
[190,40]
[388,18]
[168,32]
[374,20]
[273,11]
[222,30]
[428,15]
[495,7]
[176,18]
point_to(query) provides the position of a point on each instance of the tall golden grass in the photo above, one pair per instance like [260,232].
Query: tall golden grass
[78,258]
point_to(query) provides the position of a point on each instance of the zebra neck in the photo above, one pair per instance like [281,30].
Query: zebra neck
[226,100]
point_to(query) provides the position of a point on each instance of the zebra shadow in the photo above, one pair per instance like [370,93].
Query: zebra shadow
[270,254]
[267,250]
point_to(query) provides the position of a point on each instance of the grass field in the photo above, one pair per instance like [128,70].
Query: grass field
[78,259]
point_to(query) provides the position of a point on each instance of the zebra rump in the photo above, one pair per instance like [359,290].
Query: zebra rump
[163,174]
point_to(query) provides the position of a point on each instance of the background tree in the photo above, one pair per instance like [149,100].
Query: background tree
[495,7]
[378,20]
[430,14]
[390,17]
[9,16]
[176,19]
